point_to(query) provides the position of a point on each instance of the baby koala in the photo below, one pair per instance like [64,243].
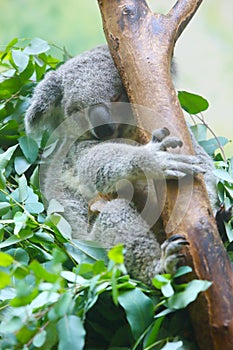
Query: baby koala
[100,162]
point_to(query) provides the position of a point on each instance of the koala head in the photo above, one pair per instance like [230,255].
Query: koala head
[88,81]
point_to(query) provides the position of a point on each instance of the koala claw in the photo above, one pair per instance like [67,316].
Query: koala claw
[170,253]
[171,142]
[159,134]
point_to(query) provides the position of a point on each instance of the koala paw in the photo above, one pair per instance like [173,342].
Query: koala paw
[170,253]
[172,165]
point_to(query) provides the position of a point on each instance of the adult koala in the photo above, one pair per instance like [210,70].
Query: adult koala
[91,167]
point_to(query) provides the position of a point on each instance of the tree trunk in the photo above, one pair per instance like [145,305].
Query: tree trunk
[142,46]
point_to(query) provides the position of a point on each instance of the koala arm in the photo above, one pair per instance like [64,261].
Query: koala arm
[45,101]
[100,167]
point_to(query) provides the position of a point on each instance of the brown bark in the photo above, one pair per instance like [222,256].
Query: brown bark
[142,46]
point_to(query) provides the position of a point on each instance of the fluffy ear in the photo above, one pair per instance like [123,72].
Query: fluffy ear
[44,111]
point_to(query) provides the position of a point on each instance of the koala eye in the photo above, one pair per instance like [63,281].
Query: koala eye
[101,121]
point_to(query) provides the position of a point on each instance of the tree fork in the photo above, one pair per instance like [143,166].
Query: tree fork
[142,45]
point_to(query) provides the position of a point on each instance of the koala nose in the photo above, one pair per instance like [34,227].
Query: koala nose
[101,121]
[104,131]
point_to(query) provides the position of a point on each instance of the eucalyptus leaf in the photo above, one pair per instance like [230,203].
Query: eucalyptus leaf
[36,46]
[5,279]
[151,336]
[177,345]
[229,231]
[192,103]
[223,175]
[23,188]
[6,156]
[21,165]
[2,180]
[21,59]
[39,339]
[29,148]
[54,207]
[199,131]
[139,310]
[86,251]
[4,208]
[44,298]
[116,254]
[71,333]
[19,255]
[5,259]
[20,220]
[16,239]
[167,290]
[211,145]
[181,299]
[182,270]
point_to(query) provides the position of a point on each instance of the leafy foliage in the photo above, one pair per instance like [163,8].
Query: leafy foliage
[224,167]
[58,293]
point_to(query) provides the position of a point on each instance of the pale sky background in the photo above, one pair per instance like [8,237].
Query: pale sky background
[204,52]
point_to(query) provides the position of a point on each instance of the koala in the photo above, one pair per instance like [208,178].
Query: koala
[95,177]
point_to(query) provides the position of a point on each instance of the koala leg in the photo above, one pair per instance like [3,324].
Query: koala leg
[118,223]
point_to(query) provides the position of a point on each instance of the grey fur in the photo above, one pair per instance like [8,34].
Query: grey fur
[92,167]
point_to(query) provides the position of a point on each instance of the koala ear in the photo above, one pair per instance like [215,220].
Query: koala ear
[46,98]
[101,121]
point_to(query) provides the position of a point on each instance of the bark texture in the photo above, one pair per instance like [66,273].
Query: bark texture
[142,44]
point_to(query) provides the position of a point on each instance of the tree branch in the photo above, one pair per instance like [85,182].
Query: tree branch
[142,45]
[181,14]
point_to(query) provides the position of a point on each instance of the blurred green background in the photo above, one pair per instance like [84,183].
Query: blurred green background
[204,53]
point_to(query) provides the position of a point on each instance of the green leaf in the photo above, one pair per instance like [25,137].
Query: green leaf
[2,180]
[160,280]
[20,220]
[12,325]
[199,131]
[223,175]
[21,60]
[71,333]
[19,255]
[34,208]
[229,190]
[25,298]
[192,103]
[39,339]
[41,273]
[177,345]
[181,299]
[62,224]
[23,188]
[64,305]
[229,231]
[116,254]
[51,338]
[16,239]
[9,87]
[54,207]
[6,156]
[29,148]
[167,290]
[5,259]
[152,335]
[5,279]
[182,270]
[36,46]
[4,208]
[44,298]
[21,165]
[11,44]
[86,251]
[211,145]
[139,310]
